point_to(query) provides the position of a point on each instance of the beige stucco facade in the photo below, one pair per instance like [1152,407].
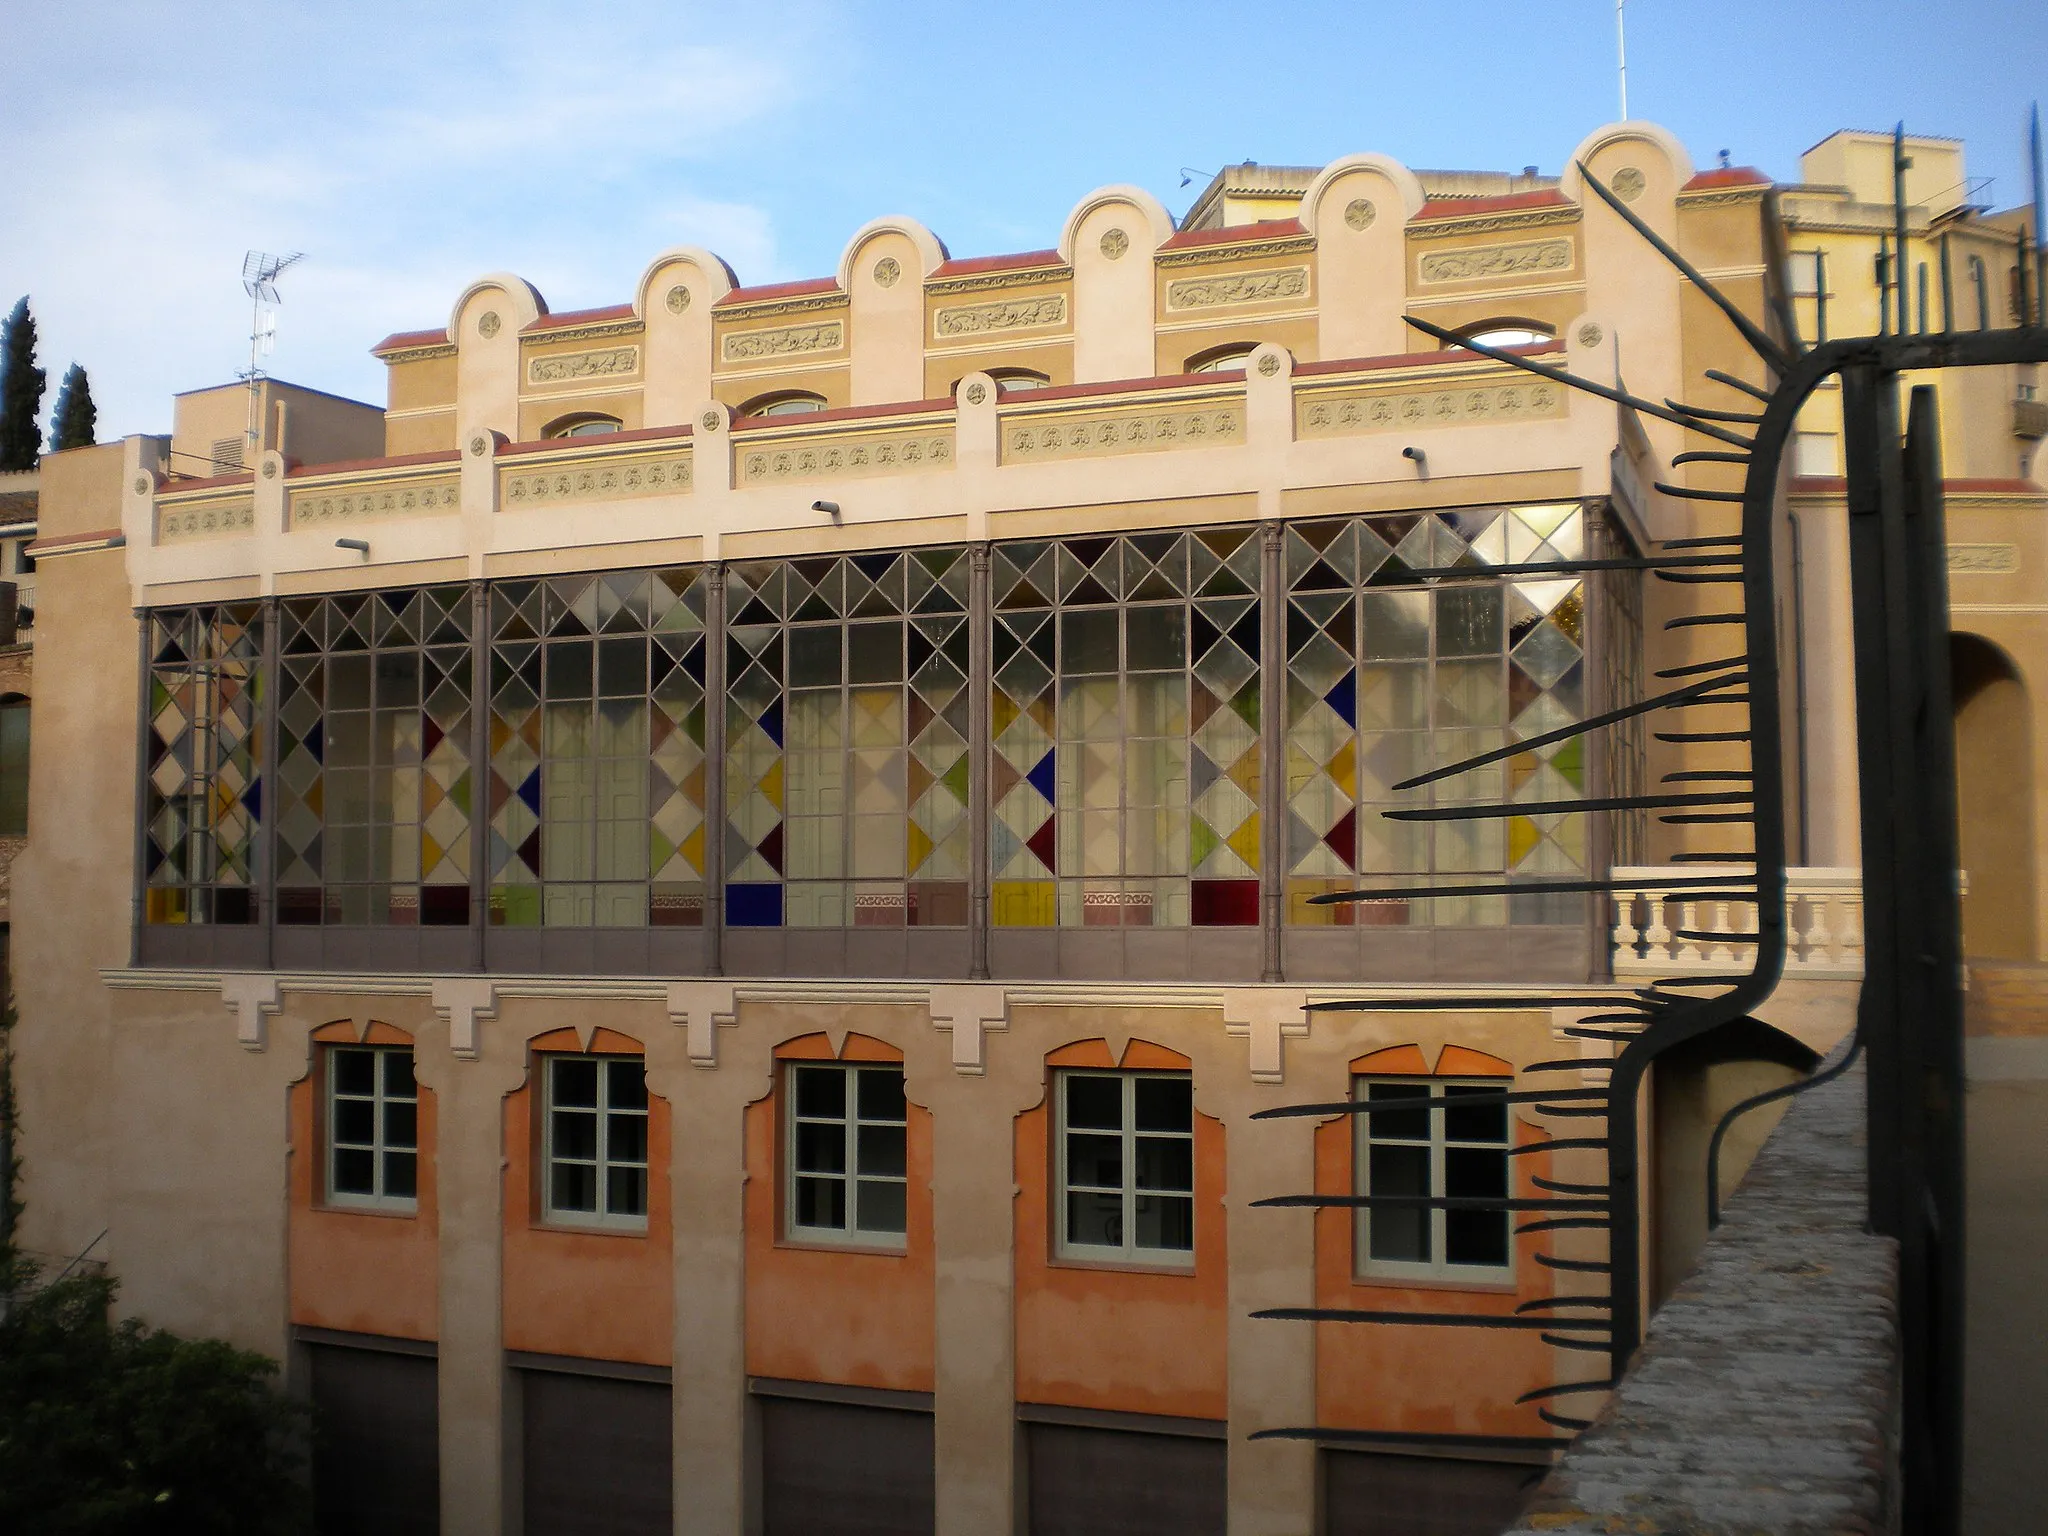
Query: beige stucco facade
[158,1087]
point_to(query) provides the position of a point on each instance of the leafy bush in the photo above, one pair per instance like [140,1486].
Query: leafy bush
[113,1428]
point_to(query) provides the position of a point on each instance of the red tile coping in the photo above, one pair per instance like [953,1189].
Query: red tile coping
[1264,229]
[1017,261]
[94,538]
[941,406]
[1838,485]
[177,485]
[1507,202]
[1727,176]
[581,317]
[1433,358]
[349,466]
[399,341]
[779,291]
[551,444]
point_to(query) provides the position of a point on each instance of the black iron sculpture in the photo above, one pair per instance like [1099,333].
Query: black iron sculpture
[1909,1020]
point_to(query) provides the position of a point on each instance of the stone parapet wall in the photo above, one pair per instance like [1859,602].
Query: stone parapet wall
[1765,1395]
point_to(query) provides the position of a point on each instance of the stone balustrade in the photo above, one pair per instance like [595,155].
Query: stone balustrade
[1662,931]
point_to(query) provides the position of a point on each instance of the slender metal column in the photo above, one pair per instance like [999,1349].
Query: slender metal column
[479,774]
[269,685]
[714,770]
[1272,749]
[981,649]
[141,840]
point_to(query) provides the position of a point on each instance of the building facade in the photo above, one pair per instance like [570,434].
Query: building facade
[700,939]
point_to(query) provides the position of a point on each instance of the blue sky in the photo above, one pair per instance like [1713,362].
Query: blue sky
[409,147]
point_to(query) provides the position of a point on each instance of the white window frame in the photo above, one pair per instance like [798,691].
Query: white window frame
[852,1234]
[1439,1267]
[602,1162]
[379,1143]
[1129,1252]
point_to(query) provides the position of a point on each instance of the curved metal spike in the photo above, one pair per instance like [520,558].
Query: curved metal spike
[1713,415]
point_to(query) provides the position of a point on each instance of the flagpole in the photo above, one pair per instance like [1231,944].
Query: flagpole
[1621,56]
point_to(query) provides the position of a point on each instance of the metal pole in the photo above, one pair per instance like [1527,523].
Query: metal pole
[1899,164]
[480,692]
[980,667]
[2040,206]
[1621,54]
[714,770]
[1948,297]
[1272,749]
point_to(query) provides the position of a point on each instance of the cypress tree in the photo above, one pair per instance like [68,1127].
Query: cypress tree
[21,390]
[76,418]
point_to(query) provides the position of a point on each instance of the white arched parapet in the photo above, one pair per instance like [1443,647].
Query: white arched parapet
[1412,196]
[526,303]
[1149,208]
[931,250]
[1654,134]
[718,275]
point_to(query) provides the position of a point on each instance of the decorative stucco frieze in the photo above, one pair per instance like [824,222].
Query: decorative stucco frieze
[1482,261]
[569,367]
[328,506]
[842,455]
[1209,255]
[1001,315]
[1516,219]
[1100,433]
[1984,559]
[784,341]
[1263,287]
[666,474]
[984,282]
[221,517]
[1343,413]
[599,331]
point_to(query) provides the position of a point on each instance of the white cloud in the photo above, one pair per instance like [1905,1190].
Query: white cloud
[570,164]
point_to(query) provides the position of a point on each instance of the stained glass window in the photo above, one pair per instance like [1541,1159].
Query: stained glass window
[597,751]
[846,741]
[1390,675]
[1125,716]
[202,790]
[373,766]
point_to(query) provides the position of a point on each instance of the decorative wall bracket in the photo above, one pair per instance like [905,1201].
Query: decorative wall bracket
[967,1011]
[252,997]
[1266,1016]
[701,1007]
[464,1002]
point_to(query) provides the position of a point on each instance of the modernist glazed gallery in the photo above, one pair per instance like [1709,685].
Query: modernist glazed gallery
[925,762]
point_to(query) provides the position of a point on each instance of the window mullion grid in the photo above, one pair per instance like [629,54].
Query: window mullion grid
[1130,1164]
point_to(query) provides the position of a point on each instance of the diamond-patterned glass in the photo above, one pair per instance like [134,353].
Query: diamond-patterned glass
[373,762]
[1390,674]
[1125,718]
[597,751]
[202,789]
[846,741]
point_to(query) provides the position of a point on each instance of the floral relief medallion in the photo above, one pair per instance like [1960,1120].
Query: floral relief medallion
[1115,243]
[887,270]
[487,324]
[678,299]
[1628,183]
[1359,213]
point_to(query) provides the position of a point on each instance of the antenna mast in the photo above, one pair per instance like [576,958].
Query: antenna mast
[260,271]
[1621,54]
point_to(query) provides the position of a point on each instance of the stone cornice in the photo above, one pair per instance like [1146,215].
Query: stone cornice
[583,332]
[982,282]
[1486,223]
[765,309]
[1717,195]
[1209,255]
[419,354]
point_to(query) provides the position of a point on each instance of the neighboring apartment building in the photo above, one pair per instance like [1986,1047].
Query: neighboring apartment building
[696,939]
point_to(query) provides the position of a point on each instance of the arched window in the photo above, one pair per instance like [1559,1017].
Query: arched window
[1508,333]
[583,424]
[14,766]
[1019,378]
[1230,357]
[788,402]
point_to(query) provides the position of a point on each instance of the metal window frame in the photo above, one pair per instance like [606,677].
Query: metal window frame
[851,1234]
[378,1199]
[1438,1267]
[603,1218]
[1130,1252]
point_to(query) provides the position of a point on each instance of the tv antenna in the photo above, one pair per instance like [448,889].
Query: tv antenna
[260,272]
[1621,54]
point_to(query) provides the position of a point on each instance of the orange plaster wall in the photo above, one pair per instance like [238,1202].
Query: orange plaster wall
[1130,1341]
[356,1270]
[599,1295]
[819,1313]
[1445,1380]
